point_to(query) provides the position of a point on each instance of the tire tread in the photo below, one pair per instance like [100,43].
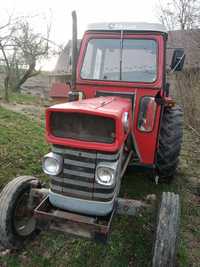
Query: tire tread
[8,197]
[170,141]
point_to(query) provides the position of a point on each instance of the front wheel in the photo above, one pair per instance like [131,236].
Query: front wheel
[166,240]
[17,223]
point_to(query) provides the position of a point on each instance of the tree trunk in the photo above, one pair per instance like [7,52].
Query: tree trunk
[6,88]
[28,74]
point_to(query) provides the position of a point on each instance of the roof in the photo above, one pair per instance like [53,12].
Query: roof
[59,90]
[127,26]
[63,65]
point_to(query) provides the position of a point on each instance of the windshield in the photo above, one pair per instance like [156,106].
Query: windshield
[132,60]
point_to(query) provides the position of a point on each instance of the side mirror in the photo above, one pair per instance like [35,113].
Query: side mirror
[178,60]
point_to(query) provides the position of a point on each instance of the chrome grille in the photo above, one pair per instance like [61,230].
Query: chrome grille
[78,176]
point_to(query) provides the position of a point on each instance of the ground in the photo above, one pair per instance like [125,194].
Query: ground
[38,85]
[22,146]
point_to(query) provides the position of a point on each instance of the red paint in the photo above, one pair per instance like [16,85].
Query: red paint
[112,107]
[146,141]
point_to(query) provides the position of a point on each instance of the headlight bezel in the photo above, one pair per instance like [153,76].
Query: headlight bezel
[58,160]
[110,167]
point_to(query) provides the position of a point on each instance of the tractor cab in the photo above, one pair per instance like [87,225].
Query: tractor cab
[123,54]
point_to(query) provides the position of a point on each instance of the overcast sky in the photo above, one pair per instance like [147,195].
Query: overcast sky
[59,12]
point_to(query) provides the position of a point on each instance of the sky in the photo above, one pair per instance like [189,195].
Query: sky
[88,11]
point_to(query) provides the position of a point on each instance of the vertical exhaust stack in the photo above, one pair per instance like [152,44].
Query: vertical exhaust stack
[74,50]
[74,94]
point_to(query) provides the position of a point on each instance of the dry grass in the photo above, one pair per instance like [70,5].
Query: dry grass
[186,89]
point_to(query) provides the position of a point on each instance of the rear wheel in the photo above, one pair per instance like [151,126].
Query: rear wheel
[170,140]
[167,231]
[17,223]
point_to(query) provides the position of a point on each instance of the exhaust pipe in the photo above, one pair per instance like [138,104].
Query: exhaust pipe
[74,50]
[74,95]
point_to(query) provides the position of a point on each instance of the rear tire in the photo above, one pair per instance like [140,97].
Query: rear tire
[170,141]
[167,231]
[16,221]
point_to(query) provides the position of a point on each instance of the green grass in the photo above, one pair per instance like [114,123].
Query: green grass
[22,98]
[22,146]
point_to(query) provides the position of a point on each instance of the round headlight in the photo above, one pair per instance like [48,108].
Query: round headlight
[52,164]
[105,176]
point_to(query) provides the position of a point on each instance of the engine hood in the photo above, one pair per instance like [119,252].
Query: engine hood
[110,105]
[87,119]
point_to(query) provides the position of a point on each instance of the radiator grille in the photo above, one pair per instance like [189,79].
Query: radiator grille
[85,127]
[78,176]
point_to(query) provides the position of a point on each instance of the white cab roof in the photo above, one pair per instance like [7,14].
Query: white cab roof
[127,26]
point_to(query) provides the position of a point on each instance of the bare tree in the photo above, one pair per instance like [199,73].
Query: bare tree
[6,31]
[180,14]
[31,47]
[21,49]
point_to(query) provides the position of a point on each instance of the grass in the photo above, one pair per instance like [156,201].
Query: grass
[21,98]
[24,98]
[22,146]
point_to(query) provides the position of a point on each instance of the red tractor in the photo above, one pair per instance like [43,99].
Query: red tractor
[120,114]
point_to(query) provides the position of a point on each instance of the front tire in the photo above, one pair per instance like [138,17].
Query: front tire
[16,219]
[170,141]
[166,240]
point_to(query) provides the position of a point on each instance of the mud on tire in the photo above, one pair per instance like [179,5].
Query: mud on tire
[10,196]
[170,140]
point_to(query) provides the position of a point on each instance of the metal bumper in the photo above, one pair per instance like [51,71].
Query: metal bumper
[49,217]
[89,207]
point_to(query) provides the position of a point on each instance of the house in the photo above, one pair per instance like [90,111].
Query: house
[59,92]
[189,40]
[61,75]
